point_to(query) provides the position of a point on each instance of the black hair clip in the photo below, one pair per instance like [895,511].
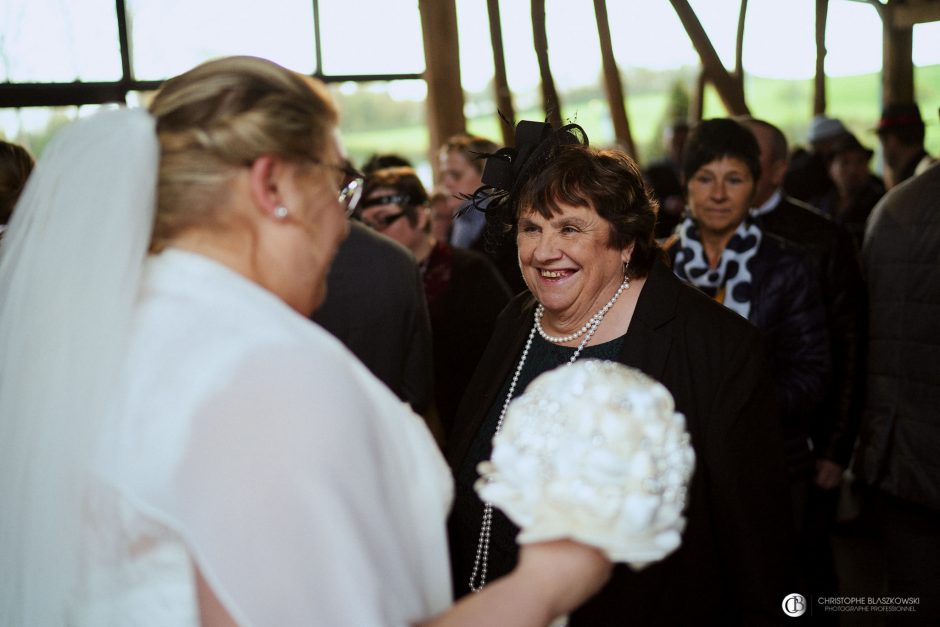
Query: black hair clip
[507,170]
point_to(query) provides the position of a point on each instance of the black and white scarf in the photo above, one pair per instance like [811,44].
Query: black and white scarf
[730,281]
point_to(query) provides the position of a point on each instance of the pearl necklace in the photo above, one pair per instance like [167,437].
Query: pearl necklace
[540,311]
[481,559]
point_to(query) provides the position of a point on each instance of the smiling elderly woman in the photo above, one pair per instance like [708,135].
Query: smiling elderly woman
[584,226]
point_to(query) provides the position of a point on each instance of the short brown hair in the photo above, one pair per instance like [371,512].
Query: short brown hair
[609,182]
[404,181]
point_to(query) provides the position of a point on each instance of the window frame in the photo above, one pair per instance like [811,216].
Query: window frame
[19,95]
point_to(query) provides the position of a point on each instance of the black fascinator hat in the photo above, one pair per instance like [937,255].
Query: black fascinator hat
[509,169]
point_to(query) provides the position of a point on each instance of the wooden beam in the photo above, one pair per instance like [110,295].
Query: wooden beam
[739,43]
[500,81]
[16,95]
[442,72]
[550,101]
[915,12]
[729,90]
[897,70]
[612,83]
[819,82]
[697,101]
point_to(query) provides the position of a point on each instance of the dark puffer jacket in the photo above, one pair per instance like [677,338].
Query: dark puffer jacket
[787,308]
[900,437]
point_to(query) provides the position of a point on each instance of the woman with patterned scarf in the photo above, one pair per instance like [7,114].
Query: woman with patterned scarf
[765,279]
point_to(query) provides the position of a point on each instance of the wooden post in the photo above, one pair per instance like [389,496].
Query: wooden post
[819,84]
[697,102]
[897,71]
[442,73]
[615,97]
[500,81]
[729,90]
[739,44]
[550,101]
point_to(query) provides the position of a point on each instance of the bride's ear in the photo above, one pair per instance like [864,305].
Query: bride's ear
[263,176]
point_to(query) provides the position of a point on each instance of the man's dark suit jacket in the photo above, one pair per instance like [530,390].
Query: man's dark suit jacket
[734,565]
[375,305]
[835,259]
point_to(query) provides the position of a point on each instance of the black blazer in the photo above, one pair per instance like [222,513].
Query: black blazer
[734,563]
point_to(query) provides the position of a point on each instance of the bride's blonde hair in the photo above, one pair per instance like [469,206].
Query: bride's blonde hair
[222,115]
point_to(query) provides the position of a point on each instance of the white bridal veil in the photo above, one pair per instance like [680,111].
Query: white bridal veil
[70,266]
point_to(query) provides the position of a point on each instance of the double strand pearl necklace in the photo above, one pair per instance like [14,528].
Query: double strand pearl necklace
[540,311]
[480,561]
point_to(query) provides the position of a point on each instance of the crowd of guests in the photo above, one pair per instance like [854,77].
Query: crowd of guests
[789,308]
[772,233]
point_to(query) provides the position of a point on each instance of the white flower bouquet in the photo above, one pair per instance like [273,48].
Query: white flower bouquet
[595,452]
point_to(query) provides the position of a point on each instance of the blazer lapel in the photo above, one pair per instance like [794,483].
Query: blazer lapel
[649,339]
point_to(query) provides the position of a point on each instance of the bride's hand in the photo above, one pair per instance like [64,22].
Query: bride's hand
[569,572]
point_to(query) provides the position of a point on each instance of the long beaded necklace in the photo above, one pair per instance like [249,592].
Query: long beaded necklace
[481,559]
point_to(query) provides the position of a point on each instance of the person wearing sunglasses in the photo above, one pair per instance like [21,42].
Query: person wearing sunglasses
[465,292]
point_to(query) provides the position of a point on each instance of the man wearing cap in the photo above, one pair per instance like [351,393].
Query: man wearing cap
[856,189]
[665,177]
[834,424]
[901,132]
[807,177]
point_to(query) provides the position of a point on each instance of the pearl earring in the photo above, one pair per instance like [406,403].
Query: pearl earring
[280,212]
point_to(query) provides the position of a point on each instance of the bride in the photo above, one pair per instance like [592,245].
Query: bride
[178,444]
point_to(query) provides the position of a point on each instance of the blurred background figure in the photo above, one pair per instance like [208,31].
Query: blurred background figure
[16,164]
[897,452]
[807,176]
[901,133]
[384,160]
[834,422]
[442,218]
[374,290]
[464,291]
[665,177]
[374,283]
[856,190]
[461,175]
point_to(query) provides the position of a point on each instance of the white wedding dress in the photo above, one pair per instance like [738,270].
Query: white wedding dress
[250,443]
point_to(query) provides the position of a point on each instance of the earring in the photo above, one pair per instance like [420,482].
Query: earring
[280,212]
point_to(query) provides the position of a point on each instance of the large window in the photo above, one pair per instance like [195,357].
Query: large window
[60,59]
[170,36]
[46,41]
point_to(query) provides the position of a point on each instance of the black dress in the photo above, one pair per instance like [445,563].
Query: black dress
[467,514]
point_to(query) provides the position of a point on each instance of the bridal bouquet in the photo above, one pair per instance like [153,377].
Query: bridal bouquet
[593,451]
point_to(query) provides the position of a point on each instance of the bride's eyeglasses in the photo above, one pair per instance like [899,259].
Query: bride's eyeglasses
[350,190]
